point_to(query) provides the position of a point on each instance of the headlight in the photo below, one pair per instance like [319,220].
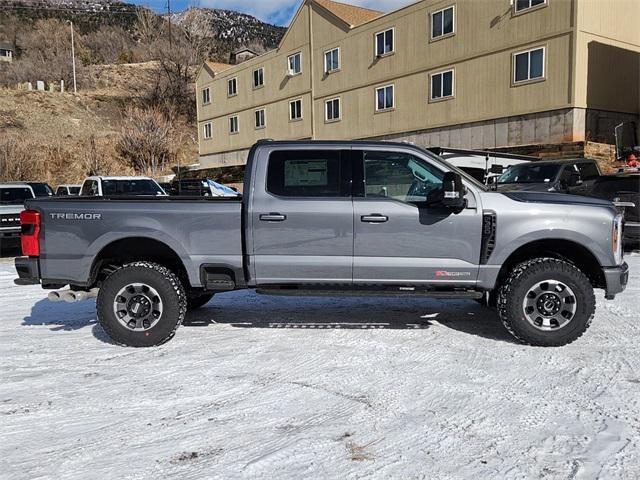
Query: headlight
[616,239]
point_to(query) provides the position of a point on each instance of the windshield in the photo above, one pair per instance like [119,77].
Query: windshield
[14,195]
[530,173]
[131,187]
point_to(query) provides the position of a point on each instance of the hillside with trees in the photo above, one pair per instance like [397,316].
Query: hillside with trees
[135,106]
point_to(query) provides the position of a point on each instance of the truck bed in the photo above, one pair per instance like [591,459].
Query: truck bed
[201,230]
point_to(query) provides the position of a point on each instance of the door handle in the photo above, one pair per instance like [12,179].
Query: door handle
[272,217]
[374,218]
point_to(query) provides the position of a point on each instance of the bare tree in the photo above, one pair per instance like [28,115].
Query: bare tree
[144,141]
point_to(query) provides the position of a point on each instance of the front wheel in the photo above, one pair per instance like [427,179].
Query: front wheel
[546,302]
[141,304]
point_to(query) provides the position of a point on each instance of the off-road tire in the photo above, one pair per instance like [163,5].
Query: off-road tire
[197,299]
[512,292]
[170,290]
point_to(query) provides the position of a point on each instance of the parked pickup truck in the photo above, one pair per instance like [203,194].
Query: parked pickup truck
[331,218]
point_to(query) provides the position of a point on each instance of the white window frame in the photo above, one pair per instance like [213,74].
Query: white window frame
[237,124]
[393,43]
[253,78]
[235,83]
[264,118]
[207,135]
[290,72]
[208,95]
[326,69]
[529,8]
[443,35]
[393,105]
[291,102]
[453,85]
[529,79]
[326,113]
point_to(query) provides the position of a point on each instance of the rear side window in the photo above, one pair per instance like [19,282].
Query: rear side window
[299,173]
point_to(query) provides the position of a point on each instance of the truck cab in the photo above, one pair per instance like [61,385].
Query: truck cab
[99,186]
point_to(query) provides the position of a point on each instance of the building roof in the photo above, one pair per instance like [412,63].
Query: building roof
[350,14]
[6,45]
[218,67]
[244,49]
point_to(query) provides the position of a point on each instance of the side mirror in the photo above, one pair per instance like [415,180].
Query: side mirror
[495,168]
[574,180]
[453,194]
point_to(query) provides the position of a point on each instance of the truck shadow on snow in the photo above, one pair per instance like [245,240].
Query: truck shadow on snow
[249,310]
[365,313]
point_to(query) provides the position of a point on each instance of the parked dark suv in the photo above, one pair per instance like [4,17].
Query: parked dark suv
[575,176]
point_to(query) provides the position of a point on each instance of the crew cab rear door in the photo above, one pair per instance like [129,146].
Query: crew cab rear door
[302,216]
[403,234]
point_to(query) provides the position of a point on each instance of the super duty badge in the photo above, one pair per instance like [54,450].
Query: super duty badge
[75,216]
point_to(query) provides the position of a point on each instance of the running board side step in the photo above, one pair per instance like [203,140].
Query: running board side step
[351,292]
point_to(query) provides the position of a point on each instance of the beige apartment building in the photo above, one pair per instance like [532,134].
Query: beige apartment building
[485,74]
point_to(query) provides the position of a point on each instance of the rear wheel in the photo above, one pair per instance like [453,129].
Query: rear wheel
[141,304]
[546,302]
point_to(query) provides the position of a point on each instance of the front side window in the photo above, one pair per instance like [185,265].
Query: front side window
[232,87]
[588,171]
[295,110]
[442,22]
[258,77]
[234,126]
[528,65]
[206,96]
[332,110]
[401,176]
[442,85]
[385,98]
[522,5]
[294,65]
[332,60]
[384,42]
[300,173]
[260,118]
[206,131]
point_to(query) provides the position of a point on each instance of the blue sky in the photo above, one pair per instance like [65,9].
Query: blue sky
[278,12]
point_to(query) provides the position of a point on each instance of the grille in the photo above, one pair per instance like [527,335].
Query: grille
[10,220]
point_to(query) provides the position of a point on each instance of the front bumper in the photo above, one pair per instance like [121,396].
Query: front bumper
[616,279]
[28,271]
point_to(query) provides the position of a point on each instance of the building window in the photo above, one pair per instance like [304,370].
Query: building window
[332,60]
[260,122]
[384,98]
[332,110]
[384,43]
[258,77]
[295,109]
[234,126]
[207,131]
[522,5]
[232,87]
[442,23]
[294,65]
[528,65]
[206,96]
[442,85]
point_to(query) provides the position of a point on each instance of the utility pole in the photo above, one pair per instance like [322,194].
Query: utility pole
[73,58]
[169,17]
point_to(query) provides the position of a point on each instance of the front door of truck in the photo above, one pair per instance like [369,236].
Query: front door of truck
[302,217]
[403,234]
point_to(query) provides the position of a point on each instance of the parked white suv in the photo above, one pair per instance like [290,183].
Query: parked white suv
[12,197]
[108,186]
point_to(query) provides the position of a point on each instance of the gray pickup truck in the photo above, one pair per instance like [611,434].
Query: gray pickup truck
[331,218]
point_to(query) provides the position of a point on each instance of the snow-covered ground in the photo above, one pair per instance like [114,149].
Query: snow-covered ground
[276,387]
